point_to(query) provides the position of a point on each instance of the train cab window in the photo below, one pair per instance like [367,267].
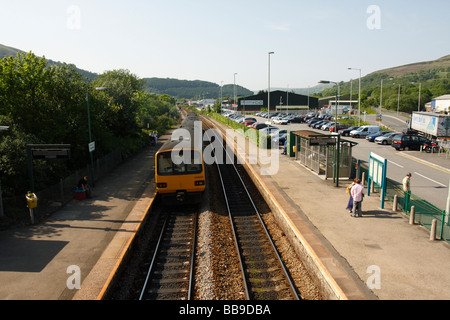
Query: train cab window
[195,165]
[167,167]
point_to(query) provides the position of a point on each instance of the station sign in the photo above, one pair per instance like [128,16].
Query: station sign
[49,152]
[252,102]
[322,142]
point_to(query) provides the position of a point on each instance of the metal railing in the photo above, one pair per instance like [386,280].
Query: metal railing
[424,211]
[52,198]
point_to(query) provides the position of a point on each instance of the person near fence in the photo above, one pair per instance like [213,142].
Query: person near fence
[407,183]
[350,200]
[407,189]
[357,193]
[84,185]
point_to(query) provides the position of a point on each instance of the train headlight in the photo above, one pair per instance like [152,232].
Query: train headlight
[200,183]
[162,185]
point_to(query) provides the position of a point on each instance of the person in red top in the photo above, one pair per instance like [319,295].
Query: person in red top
[357,193]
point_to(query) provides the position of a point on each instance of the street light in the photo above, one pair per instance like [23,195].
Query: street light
[338,141]
[90,135]
[359,96]
[235,91]
[268,92]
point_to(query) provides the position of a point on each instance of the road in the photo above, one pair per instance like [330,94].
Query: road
[430,182]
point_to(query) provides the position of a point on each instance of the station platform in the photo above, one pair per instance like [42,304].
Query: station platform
[376,256]
[83,242]
[397,259]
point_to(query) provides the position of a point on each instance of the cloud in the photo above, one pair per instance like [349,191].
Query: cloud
[285,27]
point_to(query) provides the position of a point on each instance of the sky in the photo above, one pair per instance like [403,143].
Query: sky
[212,40]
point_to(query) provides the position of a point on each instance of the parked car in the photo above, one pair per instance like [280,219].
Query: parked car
[269,130]
[296,119]
[279,120]
[280,139]
[364,131]
[318,124]
[346,132]
[409,141]
[340,127]
[386,138]
[248,123]
[259,125]
[371,137]
[327,126]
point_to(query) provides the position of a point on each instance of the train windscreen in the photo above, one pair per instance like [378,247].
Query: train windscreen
[179,162]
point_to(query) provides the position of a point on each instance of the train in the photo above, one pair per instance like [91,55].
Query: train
[179,166]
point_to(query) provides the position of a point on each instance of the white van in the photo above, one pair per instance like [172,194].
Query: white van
[364,131]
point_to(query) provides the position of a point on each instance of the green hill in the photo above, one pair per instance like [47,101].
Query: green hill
[189,89]
[181,89]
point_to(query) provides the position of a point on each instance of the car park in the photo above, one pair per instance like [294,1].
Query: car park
[409,142]
[386,138]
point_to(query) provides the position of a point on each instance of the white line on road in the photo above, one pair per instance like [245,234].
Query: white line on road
[396,164]
[431,179]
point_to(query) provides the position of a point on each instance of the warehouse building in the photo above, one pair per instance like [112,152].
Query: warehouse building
[440,104]
[279,101]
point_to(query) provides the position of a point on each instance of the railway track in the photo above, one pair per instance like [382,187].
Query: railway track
[263,271]
[171,272]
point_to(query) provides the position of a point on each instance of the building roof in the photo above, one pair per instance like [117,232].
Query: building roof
[444,97]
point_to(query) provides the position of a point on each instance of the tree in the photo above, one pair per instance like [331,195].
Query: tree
[122,105]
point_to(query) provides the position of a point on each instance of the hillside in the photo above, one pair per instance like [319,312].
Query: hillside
[432,77]
[176,88]
[195,89]
[6,52]
[441,63]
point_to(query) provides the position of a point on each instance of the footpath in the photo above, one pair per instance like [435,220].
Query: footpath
[38,262]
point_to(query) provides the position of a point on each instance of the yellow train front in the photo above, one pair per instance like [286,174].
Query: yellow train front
[179,170]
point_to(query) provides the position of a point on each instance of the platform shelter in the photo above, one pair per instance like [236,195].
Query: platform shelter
[321,152]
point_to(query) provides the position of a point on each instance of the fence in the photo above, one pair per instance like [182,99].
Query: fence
[52,198]
[425,212]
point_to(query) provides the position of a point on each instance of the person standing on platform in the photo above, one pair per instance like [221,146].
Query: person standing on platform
[407,189]
[357,193]
[407,183]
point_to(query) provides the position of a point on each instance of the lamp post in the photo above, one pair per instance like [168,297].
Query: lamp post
[91,150]
[235,91]
[359,96]
[338,140]
[268,92]
[221,96]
